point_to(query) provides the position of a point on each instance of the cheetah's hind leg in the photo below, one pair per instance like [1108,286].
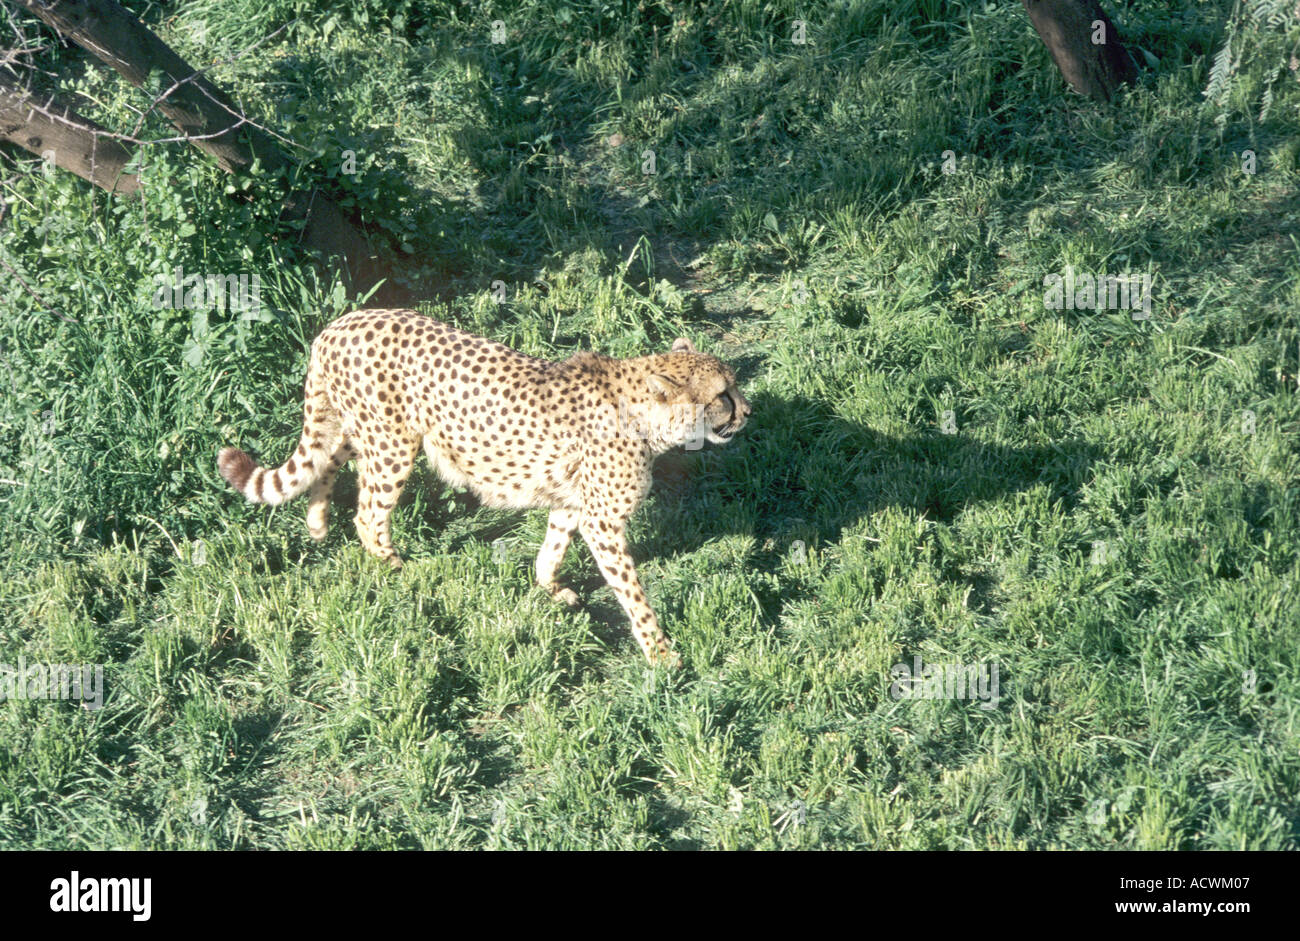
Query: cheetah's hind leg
[385,462]
[318,502]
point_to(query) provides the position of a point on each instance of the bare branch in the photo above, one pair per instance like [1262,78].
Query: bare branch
[203,114]
[77,144]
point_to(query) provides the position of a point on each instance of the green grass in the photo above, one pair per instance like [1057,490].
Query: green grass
[1106,524]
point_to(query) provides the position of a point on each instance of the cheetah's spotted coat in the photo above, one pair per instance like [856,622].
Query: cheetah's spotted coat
[577,437]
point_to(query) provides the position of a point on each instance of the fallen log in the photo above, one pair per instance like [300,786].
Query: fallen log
[208,119]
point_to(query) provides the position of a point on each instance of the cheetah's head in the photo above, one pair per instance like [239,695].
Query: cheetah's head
[696,397]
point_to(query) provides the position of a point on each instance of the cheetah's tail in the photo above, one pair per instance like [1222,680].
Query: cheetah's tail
[320,433]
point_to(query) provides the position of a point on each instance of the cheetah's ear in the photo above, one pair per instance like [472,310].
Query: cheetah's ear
[661,387]
[683,345]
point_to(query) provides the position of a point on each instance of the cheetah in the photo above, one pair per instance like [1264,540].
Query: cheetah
[577,437]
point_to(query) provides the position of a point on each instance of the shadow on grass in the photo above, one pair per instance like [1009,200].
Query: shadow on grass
[799,466]
[529,139]
[799,471]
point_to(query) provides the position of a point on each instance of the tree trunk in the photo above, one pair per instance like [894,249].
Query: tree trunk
[1084,44]
[74,143]
[206,116]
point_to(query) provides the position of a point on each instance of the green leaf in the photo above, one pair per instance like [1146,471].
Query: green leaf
[193,355]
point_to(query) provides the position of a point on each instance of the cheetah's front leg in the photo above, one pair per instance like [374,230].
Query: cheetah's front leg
[559,533]
[608,543]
